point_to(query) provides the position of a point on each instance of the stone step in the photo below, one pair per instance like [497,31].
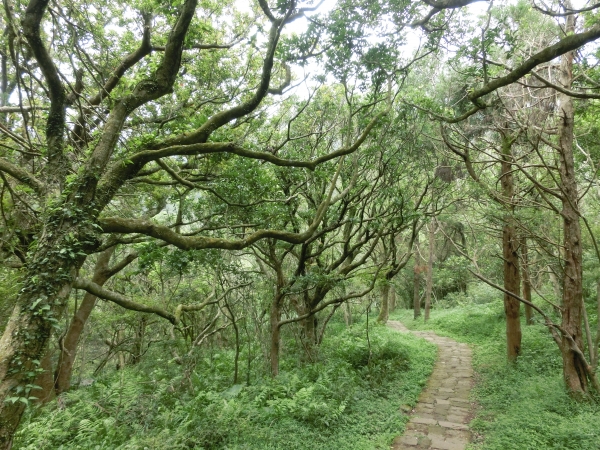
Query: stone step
[441,417]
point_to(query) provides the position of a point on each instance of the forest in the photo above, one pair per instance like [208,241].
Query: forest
[247,225]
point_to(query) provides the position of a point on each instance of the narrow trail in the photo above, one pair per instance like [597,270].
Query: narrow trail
[441,416]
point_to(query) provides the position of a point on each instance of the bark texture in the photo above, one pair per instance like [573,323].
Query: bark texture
[392,299]
[41,303]
[275,318]
[384,311]
[417,280]
[429,279]
[574,370]
[510,253]
[45,381]
[64,369]
[526,281]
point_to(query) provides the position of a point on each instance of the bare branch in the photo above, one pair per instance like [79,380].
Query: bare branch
[209,301]
[151,88]
[160,48]
[245,108]
[265,7]
[129,61]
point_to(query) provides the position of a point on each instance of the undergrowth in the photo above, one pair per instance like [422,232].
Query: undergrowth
[349,398]
[524,406]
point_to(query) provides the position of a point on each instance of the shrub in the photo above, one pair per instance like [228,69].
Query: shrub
[331,404]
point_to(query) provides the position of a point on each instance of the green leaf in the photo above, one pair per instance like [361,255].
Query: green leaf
[35,303]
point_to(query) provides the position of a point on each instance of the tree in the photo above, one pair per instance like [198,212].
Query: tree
[574,368]
[429,277]
[102,272]
[569,334]
[65,179]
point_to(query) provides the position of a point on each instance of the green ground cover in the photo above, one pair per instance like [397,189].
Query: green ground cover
[349,399]
[524,406]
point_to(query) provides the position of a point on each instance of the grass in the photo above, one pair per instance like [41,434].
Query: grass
[350,398]
[524,406]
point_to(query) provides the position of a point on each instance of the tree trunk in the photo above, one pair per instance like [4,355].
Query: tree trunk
[236,330]
[384,311]
[392,299]
[417,280]
[275,318]
[45,381]
[510,253]
[138,343]
[119,343]
[574,373]
[429,275]
[555,285]
[66,359]
[310,325]
[594,352]
[310,334]
[347,313]
[526,280]
[24,343]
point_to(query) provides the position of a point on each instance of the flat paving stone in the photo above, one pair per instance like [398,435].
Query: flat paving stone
[441,417]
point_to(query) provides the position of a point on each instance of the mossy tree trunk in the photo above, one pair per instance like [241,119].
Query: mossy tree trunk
[384,311]
[39,307]
[392,298]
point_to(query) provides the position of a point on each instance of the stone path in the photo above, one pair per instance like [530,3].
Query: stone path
[441,416]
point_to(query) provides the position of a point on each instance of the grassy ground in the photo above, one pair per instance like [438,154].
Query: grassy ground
[522,407]
[349,399]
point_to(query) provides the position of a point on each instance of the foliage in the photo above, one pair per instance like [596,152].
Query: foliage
[341,401]
[9,287]
[478,293]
